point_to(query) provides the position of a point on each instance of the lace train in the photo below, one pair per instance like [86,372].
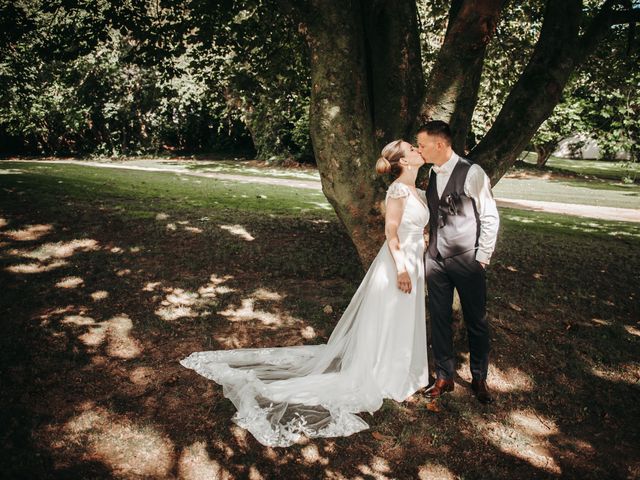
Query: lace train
[377,350]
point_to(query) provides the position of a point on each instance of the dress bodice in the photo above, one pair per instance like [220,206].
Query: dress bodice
[416,214]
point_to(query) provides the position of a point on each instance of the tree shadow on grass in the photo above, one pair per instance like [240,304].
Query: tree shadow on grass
[96,389]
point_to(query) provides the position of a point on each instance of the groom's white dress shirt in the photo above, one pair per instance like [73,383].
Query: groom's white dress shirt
[478,187]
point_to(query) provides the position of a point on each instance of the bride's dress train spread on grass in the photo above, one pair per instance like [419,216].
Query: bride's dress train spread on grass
[377,350]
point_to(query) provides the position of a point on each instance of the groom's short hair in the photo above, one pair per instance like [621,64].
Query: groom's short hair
[438,128]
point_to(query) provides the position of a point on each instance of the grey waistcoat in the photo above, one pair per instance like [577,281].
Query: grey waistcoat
[454,225]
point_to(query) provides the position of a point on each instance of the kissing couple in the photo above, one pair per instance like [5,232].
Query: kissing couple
[378,348]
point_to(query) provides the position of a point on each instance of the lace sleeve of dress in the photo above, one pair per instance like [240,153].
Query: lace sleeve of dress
[398,190]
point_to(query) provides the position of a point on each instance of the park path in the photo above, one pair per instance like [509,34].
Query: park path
[587,211]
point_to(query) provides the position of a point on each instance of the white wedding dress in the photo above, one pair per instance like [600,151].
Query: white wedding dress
[377,350]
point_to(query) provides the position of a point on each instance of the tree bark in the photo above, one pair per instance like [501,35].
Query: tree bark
[365,81]
[455,79]
[394,67]
[341,120]
[543,153]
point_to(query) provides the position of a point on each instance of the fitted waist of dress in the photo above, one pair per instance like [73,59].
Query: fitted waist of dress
[411,232]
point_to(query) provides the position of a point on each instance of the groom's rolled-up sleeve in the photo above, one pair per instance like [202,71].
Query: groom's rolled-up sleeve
[478,187]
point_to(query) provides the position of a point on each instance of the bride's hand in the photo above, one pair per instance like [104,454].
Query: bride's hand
[404,282]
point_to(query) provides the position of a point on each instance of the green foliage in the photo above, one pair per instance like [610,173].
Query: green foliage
[602,100]
[117,78]
[112,78]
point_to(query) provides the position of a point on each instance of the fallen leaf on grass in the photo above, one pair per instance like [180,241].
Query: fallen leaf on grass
[433,407]
[380,437]
[515,307]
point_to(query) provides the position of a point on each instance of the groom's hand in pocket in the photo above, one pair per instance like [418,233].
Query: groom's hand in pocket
[404,282]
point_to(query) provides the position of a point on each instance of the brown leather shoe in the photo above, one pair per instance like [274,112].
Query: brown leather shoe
[441,386]
[481,391]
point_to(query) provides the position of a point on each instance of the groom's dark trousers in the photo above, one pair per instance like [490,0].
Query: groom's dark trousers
[454,230]
[464,273]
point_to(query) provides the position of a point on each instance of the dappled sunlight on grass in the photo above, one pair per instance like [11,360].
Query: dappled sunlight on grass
[628,372]
[239,231]
[247,311]
[631,330]
[70,282]
[58,250]
[613,229]
[240,435]
[28,233]
[36,267]
[141,375]
[179,303]
[562,319]
[432,471]
[171,313]
[378,468]
[78,320]
[510,380]
[99,295]
[116,332]
[121,344]
[311,455]
[196,464]
[524,435]
[127,448]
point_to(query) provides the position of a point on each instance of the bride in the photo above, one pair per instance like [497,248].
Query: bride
[377,350]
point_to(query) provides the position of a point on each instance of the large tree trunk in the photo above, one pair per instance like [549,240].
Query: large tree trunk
[394,66]
[455,79]
[341,120]
[366,83]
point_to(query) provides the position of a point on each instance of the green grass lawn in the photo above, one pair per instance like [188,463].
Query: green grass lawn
[520,184]
[110,277]
[560,189]
[246,168]
[614,170]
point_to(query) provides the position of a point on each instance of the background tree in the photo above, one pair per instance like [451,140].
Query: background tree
[358,71]
[116,78]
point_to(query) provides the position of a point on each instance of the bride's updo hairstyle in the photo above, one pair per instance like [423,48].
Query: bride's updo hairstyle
[389,161]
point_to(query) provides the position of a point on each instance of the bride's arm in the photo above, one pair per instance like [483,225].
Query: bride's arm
[392,218]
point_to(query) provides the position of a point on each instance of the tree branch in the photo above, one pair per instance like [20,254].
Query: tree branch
[536,92]
[600,25]
[455,79]
[628,16]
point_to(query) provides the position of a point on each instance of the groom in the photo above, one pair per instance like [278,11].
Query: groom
[463,227]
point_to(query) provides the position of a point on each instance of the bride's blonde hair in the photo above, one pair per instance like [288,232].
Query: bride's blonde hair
[389,161]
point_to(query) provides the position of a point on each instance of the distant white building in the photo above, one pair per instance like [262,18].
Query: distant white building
[581,146]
